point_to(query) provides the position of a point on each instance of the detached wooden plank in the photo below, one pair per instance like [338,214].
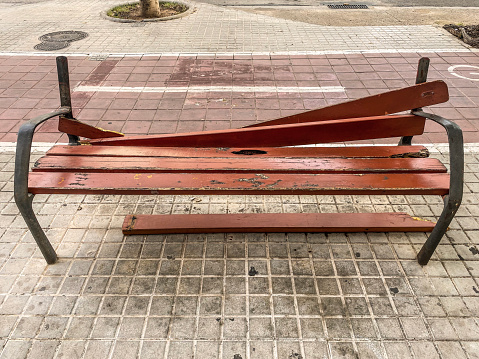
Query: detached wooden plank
[238,165]
[274,222]
[350,129]
[199,152]
[78,128]
[256,184]
[421,95]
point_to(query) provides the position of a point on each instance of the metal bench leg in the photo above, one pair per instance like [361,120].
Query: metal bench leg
[421,77]
[453,200]
[24,204]
[427,250]
[23,198]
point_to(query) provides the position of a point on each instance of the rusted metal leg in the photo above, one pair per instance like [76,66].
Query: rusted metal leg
[453,200]
[421,77]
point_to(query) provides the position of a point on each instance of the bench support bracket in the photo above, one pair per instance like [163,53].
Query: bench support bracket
[453,200]
[23,199]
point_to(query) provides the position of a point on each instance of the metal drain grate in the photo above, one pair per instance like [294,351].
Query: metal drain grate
[348,6]
[59,40]
[62,36]
[51,45]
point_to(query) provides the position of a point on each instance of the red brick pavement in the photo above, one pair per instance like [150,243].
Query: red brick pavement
[28,87]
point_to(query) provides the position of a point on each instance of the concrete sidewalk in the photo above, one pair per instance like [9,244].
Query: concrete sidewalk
[209,29]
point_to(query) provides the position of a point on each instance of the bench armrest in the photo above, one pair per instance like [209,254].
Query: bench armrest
[23,151]
[456,155]
[456,183]
[20,186]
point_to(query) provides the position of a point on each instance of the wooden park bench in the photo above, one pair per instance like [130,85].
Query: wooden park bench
[255,160]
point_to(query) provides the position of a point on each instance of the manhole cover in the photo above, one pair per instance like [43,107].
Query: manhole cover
[62,36]
[51,45]
[348,6]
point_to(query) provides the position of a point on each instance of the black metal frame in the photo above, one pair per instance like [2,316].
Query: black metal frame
[421,77]
[456,184]
[23,199]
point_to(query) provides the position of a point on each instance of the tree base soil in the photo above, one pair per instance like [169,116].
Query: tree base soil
[468,33]
[133,11]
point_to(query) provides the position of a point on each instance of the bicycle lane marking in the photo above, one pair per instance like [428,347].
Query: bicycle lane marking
[455,69]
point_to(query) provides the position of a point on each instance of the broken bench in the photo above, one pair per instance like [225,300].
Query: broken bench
[256,160]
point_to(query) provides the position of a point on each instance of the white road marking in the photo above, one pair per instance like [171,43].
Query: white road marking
[202,89]
[453,68]
[232,54]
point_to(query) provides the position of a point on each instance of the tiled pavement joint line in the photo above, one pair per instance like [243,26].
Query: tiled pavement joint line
[170,333]
[346,316]
[205,89]
[296,315]
[367,298]
[199,301]
[150,302]
[270,298]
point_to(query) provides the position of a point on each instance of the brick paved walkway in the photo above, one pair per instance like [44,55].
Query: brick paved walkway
[28,88]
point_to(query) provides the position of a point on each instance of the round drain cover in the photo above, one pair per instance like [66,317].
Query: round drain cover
[51,45]
[62,36]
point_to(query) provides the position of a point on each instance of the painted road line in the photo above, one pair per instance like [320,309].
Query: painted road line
[233,53]
[203,89]
[475,75]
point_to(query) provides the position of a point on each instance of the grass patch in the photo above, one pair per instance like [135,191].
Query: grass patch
[121,10]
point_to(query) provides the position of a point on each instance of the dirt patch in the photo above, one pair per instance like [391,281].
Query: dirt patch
[375,16]
[467,33]
[133,11]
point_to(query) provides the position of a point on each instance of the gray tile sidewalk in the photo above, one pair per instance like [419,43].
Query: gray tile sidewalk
[197,296]
[209,29]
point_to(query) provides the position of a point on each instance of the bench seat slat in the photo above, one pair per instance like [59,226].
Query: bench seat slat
[198,152]
[274,222]
[256,184]
[238,165]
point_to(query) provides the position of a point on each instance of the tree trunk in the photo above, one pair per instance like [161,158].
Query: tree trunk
[150,8]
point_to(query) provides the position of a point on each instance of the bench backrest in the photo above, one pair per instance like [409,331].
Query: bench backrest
[351,129]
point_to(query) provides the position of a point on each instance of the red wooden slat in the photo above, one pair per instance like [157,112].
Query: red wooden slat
[274,222]
[283,135]
[421,95]
[75,127]
[198,152]
[206,183]
[238,165]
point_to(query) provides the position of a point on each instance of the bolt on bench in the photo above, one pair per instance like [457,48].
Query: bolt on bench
[255,160]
